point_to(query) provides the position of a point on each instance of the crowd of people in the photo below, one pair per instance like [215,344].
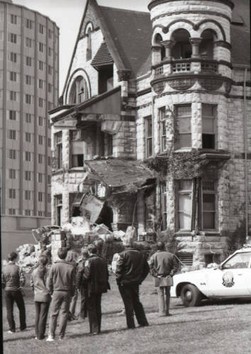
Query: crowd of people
[56,290]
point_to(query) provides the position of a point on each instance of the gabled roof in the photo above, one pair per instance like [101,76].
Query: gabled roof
[131,32]
[102,57]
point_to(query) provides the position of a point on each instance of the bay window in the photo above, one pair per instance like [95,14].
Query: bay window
[183,136]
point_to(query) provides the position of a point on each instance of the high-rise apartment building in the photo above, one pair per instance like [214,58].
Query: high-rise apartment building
[29,76]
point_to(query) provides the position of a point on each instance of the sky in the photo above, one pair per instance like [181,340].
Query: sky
[67,14]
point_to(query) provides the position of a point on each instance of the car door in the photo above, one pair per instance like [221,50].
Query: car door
[233,278]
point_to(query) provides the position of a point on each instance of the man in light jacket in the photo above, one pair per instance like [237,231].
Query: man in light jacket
[61,284]
[163,265]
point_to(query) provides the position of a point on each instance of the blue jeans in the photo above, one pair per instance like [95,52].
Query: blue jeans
[12,297]
[60,301]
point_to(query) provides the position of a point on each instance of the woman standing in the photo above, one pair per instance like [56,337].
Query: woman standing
[42,297]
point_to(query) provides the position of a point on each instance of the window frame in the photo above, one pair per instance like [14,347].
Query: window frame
[148,127]
[178,132]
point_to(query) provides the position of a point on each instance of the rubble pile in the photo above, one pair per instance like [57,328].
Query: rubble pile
[27,257]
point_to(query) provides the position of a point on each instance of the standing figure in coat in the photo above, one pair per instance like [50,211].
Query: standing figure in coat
[61,284]
[12,280]
[72,257]
[96,273]
[163,265]
[81,283]
[42,296]
[131,269]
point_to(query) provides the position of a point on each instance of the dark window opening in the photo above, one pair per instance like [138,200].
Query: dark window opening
[105,216]
[182,48]
[105,78]
[208,141]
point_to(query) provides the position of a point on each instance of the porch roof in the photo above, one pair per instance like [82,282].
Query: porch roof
[123,175]
[108,103]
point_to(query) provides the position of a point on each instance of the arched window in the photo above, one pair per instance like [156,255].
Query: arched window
[207,44]
[182,48]
[79,92]
[89,45]
[157,40]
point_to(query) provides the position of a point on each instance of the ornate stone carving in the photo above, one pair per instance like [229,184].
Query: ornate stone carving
[210,83]
[124,75]
[182,83]
[159,87]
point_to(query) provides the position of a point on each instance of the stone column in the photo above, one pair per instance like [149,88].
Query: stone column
[156,55]
[168,48]
[195,47]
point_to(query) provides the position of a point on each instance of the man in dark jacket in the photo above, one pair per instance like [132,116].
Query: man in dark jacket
[96,274]
[61,284]
[12,280]
[132,268]
[163,265]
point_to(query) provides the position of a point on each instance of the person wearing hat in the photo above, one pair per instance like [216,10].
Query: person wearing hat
[131,269]
[12,280]
[163,265]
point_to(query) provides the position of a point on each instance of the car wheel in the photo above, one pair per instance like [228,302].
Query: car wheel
[190,295]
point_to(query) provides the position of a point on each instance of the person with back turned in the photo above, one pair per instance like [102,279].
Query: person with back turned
[131,269]
[163,265]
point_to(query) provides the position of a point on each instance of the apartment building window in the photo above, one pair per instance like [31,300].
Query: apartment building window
[12,154]
[12,193]
[50,33]
[208,205]
[49,87]
[40,158]
[28,117]
[13,95]
[183,136]
[49,180]
[28,99]
[41,28]
[28,137]
[162,122]
[12,38]
[28,79]
[12,134]
[27,175]
[148,136]
[40,47]
[209,126]
[49,161]
[49,51]
[163,206]
[40,178]
[49,142]
[40,121]
[13,57]
[12,173]
[58,149]
[27,195]
[28,61]
[27,212]
[28,42]
[40,196]
[13,19]
[40,102]
[28,23]
[12,115]
[49,69]
[12,211]
[40,83]
[13,76]
[40,140]
[41,65]
[27,156]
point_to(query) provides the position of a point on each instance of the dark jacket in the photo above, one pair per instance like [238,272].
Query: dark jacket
[37,282]
[132,267]
[12,277]
[62,277]
[163,263]
[96,274]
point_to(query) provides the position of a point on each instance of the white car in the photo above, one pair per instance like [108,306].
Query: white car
[230,279]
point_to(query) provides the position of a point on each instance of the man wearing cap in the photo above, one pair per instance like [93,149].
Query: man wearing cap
[12,280]
[131,269]
[163,265]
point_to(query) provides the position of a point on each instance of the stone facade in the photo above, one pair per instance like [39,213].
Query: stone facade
[191,101]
